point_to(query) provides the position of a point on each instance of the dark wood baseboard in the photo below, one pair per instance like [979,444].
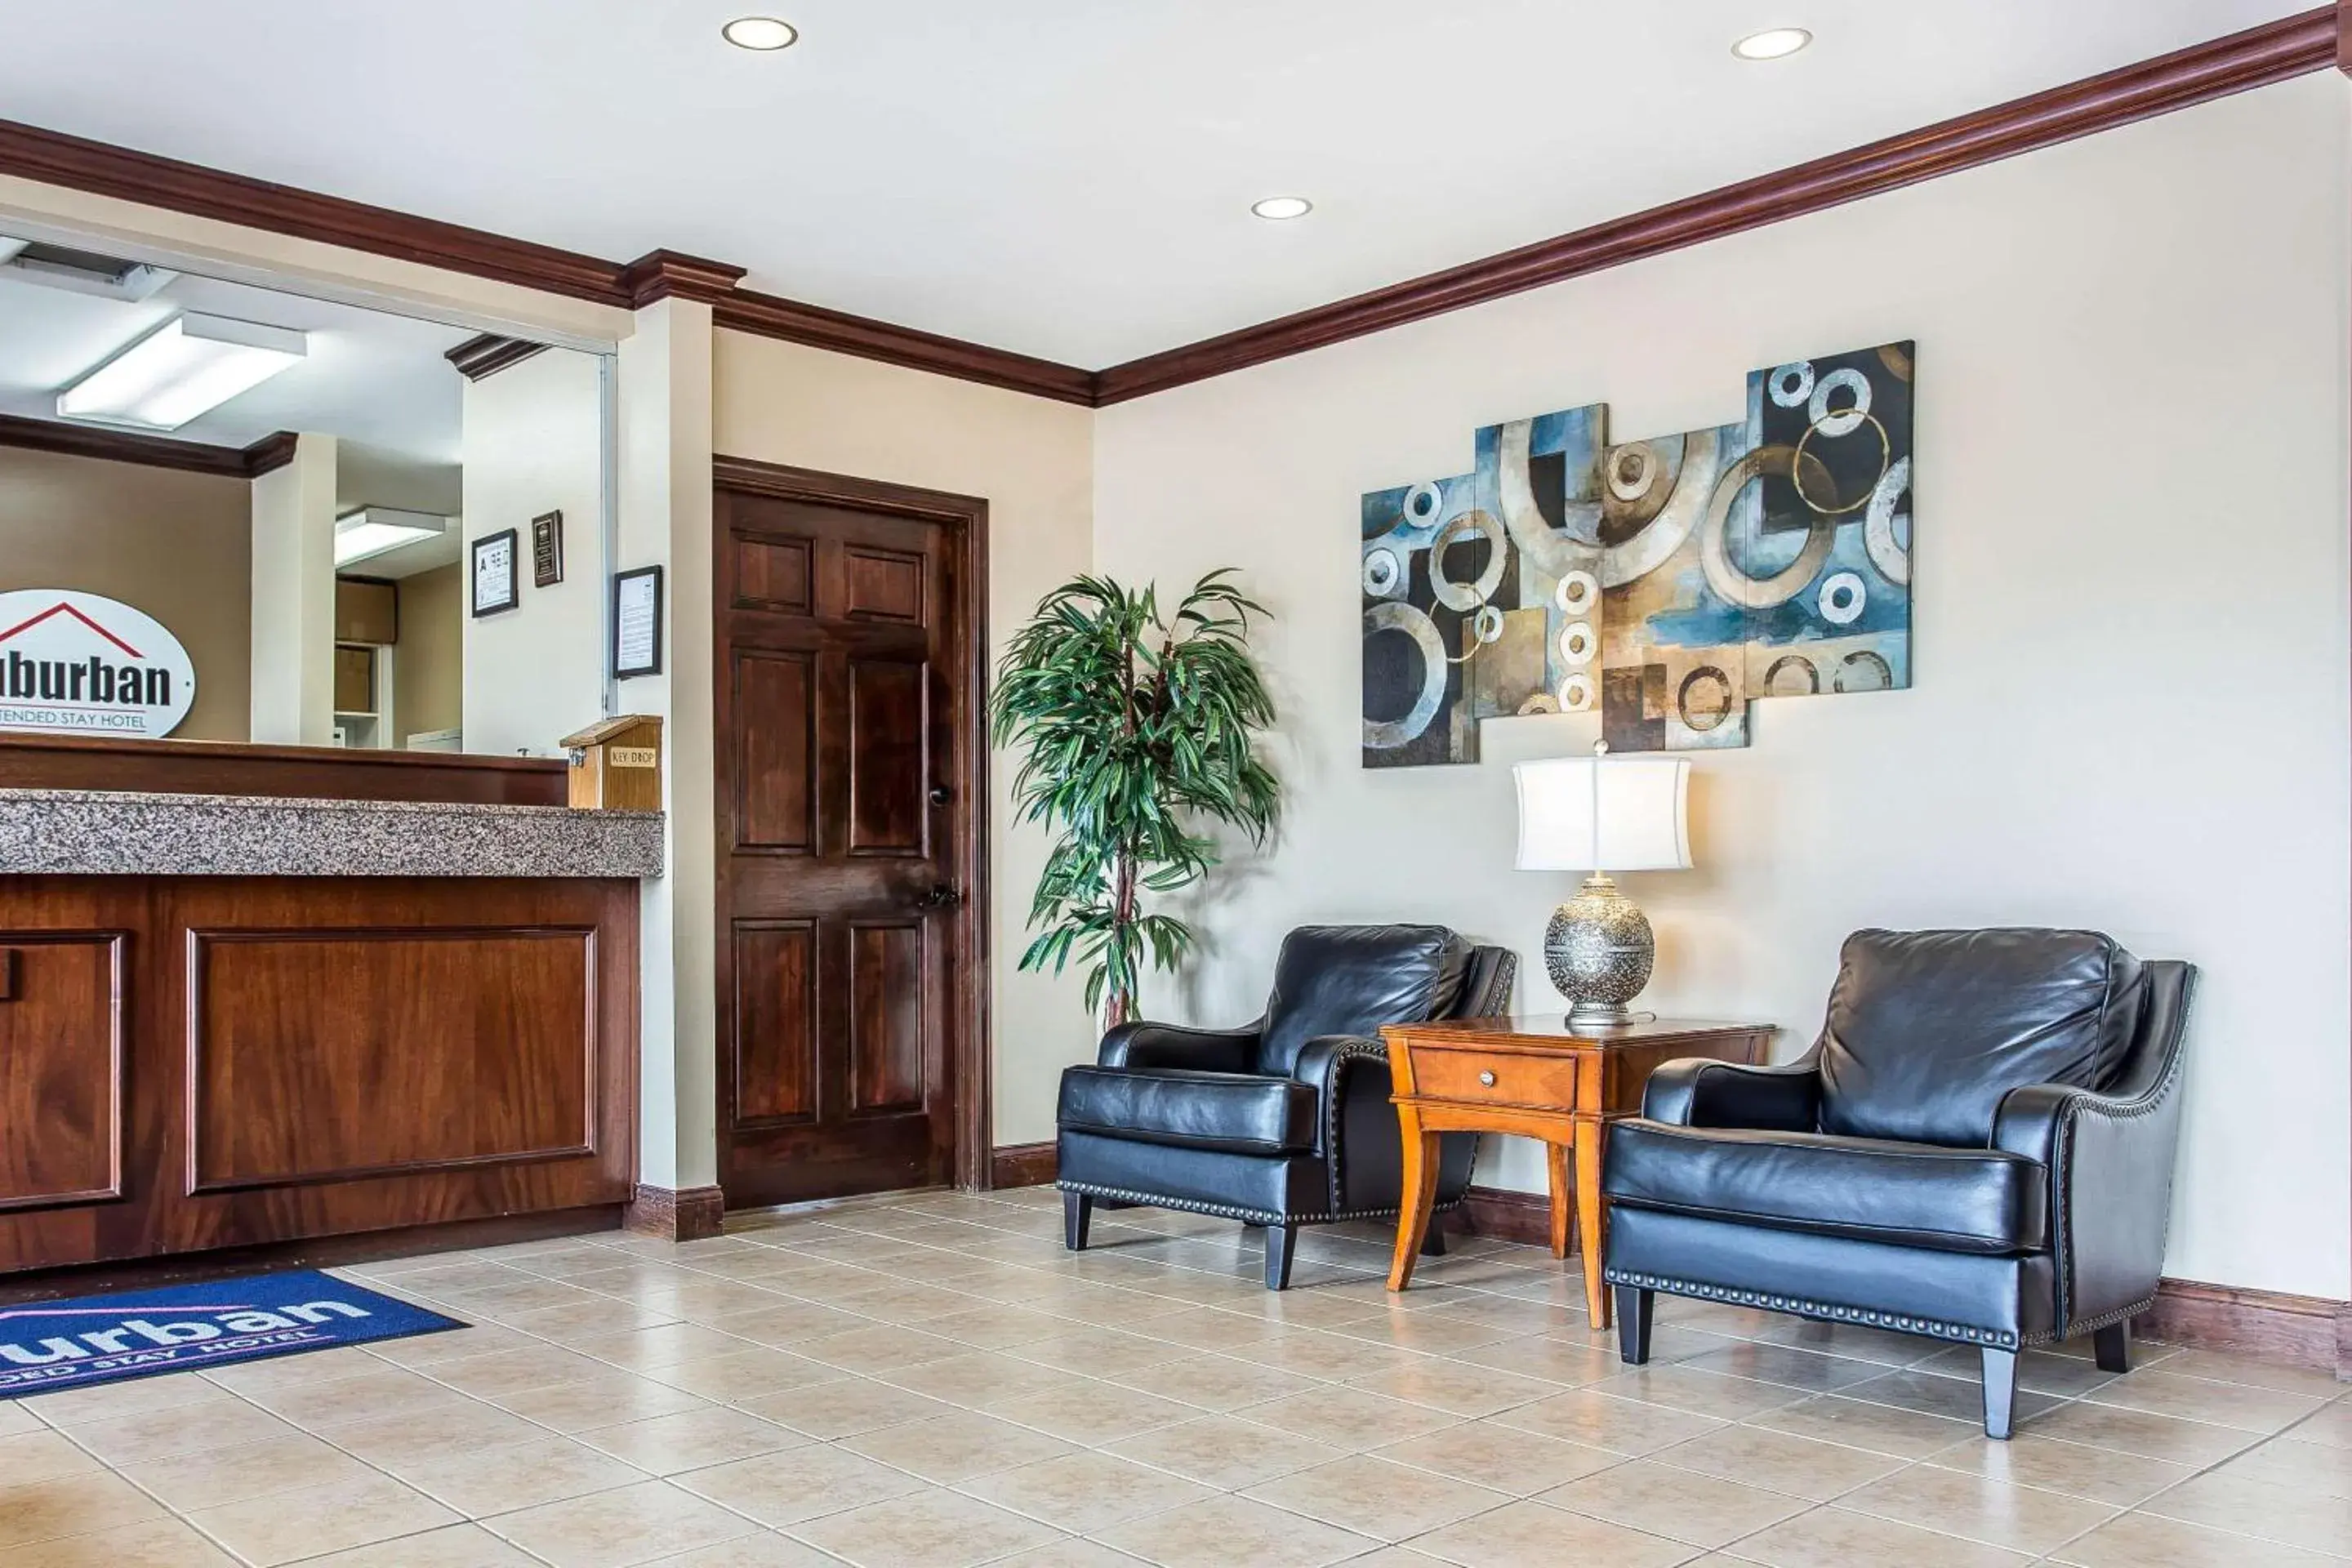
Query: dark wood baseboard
[2268,1325]
[692,1214]
[1021,1165]
[1507,1215]
[324,1252]
[2294,1331]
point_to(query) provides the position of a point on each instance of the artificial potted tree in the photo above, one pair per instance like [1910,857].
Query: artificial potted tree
[1136,738]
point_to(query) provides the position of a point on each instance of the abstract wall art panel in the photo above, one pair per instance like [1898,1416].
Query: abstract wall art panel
[1668,584]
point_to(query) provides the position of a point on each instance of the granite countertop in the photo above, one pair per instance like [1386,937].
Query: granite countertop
[108,833]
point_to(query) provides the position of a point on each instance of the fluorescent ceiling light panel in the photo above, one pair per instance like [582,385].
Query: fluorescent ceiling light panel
[11,249]
[377,529]
[187,367]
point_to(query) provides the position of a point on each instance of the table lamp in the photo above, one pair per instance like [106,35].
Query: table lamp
[1601,814]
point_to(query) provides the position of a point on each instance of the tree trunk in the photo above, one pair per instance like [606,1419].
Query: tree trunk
[1118,1002]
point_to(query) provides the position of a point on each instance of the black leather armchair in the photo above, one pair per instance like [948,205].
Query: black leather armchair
[1286,1122]
[1978,1148]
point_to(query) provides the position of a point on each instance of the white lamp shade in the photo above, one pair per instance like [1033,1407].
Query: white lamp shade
[1603,813]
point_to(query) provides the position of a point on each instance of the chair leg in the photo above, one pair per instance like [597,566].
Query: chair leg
[2112,1347]
[1634,1309]
[1281,1241]
[1078,1209]
[1999,1391]
[1433,1241]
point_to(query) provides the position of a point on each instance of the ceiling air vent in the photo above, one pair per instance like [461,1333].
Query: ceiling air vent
[79,272]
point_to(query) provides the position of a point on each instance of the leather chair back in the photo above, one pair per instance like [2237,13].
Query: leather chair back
[1349,980]
[1927,1030]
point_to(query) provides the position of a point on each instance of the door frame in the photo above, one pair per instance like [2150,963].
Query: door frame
[970,1067]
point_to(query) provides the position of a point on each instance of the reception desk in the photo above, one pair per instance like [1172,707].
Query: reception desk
[231,1019]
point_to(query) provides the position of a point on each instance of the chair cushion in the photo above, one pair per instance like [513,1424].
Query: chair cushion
[1349,980]
[1913,1194]
[1238,1112]
[1928,1029]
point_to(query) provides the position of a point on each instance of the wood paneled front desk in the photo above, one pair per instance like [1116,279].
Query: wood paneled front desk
[227,1020]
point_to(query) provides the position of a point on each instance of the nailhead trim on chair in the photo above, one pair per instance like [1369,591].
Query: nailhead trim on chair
[1358,1051]
[1933,1328]
[1224,1211]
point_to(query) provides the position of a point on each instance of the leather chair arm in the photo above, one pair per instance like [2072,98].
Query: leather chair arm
[2110,1158]
[1356,1130]
[1147,1045]
[1697,1092]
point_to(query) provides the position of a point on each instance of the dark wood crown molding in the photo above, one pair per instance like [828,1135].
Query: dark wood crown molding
[660,274]
[149,451]
[489,353]
[768,316]
[55,159]
[2255,57]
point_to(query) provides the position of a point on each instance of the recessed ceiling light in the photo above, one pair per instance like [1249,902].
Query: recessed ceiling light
[186,366]
[1771,44]
[372,530]
[1281,207]
[763,33]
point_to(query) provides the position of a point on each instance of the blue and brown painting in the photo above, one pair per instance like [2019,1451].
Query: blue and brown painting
[1667,584]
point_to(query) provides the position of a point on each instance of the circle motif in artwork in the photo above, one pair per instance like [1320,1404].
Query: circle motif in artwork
[1704,698]
[1632,469]
[1467,596]
[1576,694]
[1422,503]
[1864,671]
[1578,645]
[1541,702]
[1729,583]
[1577,593]
[1791,384]
[1841,598]
[1831,421]
[1486,625]
[1797,470]
[1395,616]
[1381,573]
[1890,554]
[1791,675]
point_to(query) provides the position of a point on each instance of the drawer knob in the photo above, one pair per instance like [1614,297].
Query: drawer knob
[1487,1078]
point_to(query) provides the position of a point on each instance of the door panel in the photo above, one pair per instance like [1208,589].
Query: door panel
[846,738]
[775,1012]
[776,752]
[61,1068]
[886,1016]
[888,771]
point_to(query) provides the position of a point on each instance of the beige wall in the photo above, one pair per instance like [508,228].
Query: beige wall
[1032,461]
[174,545]
[2131,618]
[428,662]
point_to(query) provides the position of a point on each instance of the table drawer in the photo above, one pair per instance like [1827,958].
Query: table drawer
[1494,1077]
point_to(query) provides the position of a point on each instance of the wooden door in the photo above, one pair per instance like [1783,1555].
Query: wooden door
[846,702]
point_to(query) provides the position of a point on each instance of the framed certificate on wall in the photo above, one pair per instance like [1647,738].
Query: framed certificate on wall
[496,585]
[636,622]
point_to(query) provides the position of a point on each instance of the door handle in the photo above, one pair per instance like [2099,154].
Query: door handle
[942,895]
[941,795]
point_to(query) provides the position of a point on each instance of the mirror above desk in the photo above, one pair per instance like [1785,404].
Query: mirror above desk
[232,512]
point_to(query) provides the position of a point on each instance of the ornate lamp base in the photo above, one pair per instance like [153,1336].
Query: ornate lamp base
[1599,950]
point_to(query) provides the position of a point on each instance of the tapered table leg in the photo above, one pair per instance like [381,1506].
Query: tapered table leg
[1591,1217]
[1419,1195]
[1556,1156]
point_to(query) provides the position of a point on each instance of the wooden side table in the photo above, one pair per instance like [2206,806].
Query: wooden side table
[1541,1079]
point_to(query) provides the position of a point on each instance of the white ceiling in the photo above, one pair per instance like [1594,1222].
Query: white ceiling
[1069,178]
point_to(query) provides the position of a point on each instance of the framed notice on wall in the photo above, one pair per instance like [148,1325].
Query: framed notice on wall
[636,622]
[496,584]
[547,550]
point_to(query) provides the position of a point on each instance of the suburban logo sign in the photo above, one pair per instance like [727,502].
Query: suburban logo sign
[86,664]
[51,1345]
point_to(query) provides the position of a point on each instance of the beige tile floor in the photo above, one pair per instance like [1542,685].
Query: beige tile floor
[930,1382]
